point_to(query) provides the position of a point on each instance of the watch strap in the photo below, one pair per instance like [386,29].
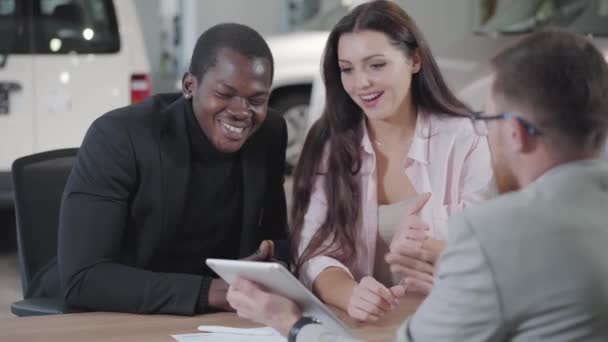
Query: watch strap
[298,325]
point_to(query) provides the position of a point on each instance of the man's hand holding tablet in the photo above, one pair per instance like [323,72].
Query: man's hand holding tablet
[267,293]
[251,302]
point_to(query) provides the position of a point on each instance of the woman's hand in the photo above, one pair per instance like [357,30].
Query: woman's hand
[412,227]
[254,303]
[407,255]
[371,300]
[416,261]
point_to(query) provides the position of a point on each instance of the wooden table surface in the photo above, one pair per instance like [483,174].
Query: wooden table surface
[114,327]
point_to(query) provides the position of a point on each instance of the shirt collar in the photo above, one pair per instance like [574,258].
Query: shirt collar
[420,147]
[201,147]
[366,143]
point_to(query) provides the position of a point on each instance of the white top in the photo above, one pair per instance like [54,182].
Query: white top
[389,217]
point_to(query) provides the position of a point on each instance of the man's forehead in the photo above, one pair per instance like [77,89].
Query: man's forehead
[259,66]
[232,62]
[235,56]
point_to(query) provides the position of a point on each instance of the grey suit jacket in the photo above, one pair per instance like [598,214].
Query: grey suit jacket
[527,266]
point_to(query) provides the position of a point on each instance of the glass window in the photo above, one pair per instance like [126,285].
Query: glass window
[594,21]
[58,27]
[12,28]
[520,16]
[7,7]
[324,21]
[602,8]
[75,26]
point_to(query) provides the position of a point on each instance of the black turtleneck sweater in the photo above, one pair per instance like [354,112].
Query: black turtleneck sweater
[211,221]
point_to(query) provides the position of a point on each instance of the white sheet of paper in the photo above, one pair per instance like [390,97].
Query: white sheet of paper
[227,334]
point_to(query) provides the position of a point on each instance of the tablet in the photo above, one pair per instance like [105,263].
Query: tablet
[279,280]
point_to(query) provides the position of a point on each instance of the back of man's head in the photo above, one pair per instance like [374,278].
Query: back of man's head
[559,80]
[237,37]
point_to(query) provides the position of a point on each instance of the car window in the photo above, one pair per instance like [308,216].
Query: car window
[522,16]
[74,26]
[12,28]
[324,21]
[7,7]
[58,27]
[594,21]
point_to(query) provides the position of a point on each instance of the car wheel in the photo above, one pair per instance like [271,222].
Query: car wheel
[294,109]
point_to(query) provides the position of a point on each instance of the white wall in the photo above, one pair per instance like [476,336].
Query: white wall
[156,19]
[265,16]
[149,16]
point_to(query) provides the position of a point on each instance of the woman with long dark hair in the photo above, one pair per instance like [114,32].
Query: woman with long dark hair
[392,138]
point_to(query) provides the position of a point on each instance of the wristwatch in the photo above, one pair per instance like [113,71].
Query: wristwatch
[299,324]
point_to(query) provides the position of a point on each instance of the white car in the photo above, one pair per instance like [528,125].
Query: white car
[296,64]
[62,64]
[297,58]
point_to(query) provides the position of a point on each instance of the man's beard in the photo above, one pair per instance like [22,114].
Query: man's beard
[503,177]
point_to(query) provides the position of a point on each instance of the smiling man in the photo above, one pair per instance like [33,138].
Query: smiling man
[160,186]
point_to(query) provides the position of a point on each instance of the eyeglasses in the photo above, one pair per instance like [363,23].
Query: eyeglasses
[480,122]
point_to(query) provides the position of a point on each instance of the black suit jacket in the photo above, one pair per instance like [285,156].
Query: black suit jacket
[126,194]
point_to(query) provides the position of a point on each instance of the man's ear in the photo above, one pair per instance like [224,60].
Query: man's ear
[520,140]
[189,85]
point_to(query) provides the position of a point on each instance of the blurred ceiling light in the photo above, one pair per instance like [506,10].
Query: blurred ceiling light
[88,33]
[64,77]
[55,44]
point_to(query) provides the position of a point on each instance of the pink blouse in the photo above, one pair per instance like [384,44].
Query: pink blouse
[446,158]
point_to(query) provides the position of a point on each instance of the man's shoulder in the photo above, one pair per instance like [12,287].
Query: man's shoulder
[517,221]
[141,114]
[500,216]
[545,203]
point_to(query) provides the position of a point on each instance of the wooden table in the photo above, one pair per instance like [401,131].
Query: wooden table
[114,327]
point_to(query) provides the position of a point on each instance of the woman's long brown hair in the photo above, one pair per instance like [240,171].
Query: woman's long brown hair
[339,130]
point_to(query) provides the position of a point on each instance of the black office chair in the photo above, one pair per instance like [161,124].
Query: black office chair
[38,182]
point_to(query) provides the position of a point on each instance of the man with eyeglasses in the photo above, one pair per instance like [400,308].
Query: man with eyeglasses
[532,264]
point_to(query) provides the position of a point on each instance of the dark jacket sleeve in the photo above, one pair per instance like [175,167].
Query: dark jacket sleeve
[92,229]
[274,217]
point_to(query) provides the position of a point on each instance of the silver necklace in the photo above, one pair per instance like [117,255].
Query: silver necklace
[383,145]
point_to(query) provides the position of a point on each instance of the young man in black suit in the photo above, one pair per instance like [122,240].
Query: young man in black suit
[162,185]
